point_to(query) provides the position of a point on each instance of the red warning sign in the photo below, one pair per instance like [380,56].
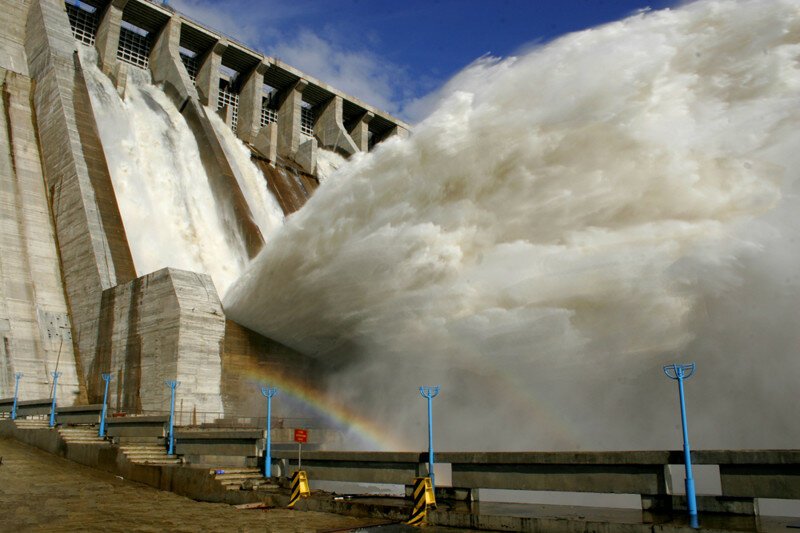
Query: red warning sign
[301,435]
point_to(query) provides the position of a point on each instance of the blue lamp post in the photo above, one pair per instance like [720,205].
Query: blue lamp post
[53,405]
[430,393]
[17,377]
[268,393]
[172,384]
[681,372]
[106,378]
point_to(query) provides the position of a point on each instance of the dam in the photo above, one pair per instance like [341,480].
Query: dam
[180,208]
[86,288]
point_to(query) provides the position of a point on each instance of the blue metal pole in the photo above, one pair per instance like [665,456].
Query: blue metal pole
[430,393]
[53,405]
[268,393]
[106,378]
[679,373]
[17,377]
[172,384]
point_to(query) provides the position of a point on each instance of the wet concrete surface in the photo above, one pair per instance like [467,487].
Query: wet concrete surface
[42,492]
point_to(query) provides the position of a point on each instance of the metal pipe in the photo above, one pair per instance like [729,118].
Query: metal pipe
[172,384]
[268,393]
[17,377]
[679,373]
[53,405]
[102,433]
[430,393]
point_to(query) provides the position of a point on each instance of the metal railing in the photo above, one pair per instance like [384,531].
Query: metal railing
[268,115]
[133,48]
[83,22]
[187,418]
[192,66]
[228,98]
[307,121]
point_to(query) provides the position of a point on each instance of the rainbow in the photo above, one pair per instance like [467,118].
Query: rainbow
[371,435]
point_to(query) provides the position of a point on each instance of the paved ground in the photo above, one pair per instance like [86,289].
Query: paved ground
[42,492]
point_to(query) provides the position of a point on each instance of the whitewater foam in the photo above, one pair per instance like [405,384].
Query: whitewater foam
[562,225]
[168,208]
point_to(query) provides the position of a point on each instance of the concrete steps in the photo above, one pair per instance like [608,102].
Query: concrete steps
[242,479]
[32,423]
[81,435]
[150,454]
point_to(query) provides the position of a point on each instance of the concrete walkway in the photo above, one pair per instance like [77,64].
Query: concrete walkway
[42,492]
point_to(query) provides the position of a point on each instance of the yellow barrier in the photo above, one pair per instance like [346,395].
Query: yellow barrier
[299,487]
[424,498]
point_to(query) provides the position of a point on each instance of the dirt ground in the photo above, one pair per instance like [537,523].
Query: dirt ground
[43,492]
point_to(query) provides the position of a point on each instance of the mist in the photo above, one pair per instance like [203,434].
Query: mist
[561,226]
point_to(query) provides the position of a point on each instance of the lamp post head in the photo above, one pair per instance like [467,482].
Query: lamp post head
[679,370]
[429,391]
[18,375]
[106,376]
[172,383]
[269,392]
[56,375]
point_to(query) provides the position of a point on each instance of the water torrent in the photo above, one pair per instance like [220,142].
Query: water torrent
[268,214]
[566,222]
[170,215]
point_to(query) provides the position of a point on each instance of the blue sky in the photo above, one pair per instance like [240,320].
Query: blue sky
[393,53]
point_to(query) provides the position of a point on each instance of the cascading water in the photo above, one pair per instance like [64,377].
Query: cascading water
[170,215]
[564,224]
[266,211]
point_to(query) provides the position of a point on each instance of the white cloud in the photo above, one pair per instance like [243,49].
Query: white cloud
[267,27]
[356,72]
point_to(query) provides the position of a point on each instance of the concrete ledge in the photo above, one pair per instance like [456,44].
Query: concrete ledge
[137,426]
[34,407]
[79,414]
[6,405]
[240,447]
[363,467]
[705,504]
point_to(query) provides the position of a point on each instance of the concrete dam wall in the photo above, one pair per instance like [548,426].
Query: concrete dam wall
[78,294]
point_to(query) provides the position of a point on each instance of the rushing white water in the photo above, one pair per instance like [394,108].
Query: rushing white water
[170,215]
[328,162]
[266,211]
[565,223]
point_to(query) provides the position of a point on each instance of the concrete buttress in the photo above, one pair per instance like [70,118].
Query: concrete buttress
[329,128]
[91,239]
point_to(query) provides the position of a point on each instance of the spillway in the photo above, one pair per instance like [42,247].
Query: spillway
[566,222]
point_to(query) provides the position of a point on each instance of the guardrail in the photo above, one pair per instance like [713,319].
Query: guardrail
[218,419]
[34,407]
[745,475]
[79,414]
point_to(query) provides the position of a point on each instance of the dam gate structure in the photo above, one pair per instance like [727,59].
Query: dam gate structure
[71,297]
